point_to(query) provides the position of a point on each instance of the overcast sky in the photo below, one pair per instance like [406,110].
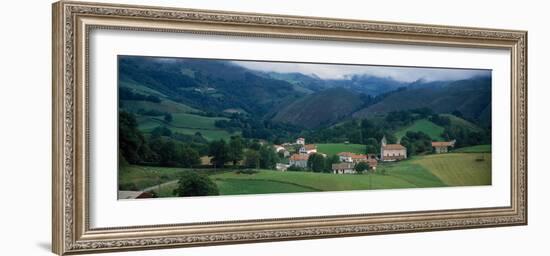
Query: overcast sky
[330,71]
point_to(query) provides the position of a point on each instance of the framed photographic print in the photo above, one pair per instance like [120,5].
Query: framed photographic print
[179,127]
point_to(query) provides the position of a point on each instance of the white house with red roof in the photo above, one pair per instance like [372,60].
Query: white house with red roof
[442,146]
[298,160]
[392,152]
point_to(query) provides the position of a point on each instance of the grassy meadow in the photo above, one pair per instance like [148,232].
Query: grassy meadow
[209,113]
[474,149]
[441,170]
[425,126]
[335,148]
[186,123]
[458,169]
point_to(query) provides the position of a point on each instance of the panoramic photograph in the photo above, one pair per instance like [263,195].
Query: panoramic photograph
[210,127]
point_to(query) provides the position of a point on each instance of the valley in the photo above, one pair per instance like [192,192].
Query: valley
[244,131]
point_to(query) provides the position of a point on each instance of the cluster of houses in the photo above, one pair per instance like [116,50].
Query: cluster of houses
[348,160]
[298,159]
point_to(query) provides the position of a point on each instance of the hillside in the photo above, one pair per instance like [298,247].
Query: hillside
[440,170]
[322,108]
[458,169]
[471,97]
[366,84]
[271,105]
[188,124]
[457,121]
[474,149]
[422,125]
[207,85]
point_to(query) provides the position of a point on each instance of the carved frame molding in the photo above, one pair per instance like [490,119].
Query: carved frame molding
[72,22]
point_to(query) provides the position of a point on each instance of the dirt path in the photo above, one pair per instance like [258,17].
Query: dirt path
[161,185]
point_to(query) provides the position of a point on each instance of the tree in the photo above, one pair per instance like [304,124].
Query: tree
[369,130]
[457,113]
[187,157]
[361,167]
[168,117]
[236,146]
[194,184]
[268,157]
[372,146]
[416,142]
[132,143]
[219,151]
[161,131]
[251,158]
[168,154]
[316,162]
[329,161]
[390,138]
[255,145]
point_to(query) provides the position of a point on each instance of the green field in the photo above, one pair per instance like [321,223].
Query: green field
[335,148]
[195,121]
[457,121]
[186,124]
[140,88]
[164,106]
[474,149]
[458,169]
[141,177]
[134,177]
[425,126]
[324,181]
[251,186]
[438,170]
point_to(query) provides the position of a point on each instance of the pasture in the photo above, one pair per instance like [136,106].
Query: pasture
[186,123]
[474,149]
[437,170]
[335,148]
[458,169]
[457,121]
[425,126]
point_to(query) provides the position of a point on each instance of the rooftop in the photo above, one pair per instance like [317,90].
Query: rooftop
[299,157]
[393,147]
[347,154]
[443,143]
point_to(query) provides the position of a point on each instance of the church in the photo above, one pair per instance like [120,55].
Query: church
[392,152]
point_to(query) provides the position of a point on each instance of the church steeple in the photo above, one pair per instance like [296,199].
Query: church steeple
[382,145]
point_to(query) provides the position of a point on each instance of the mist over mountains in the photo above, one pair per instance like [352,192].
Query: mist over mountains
[304,100]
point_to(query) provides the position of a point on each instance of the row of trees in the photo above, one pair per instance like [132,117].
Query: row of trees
[416,143]
[369,132]
[318,163]
[256,128]
[162,147]
[252,153]
[158,149]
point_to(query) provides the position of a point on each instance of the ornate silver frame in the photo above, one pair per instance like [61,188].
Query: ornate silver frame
[72,22]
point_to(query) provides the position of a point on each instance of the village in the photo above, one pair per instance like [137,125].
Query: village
[298,154]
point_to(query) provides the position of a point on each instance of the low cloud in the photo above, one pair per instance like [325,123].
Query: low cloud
[331,71]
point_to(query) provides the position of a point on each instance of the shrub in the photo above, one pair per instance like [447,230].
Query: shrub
[246,171]
[192,183]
